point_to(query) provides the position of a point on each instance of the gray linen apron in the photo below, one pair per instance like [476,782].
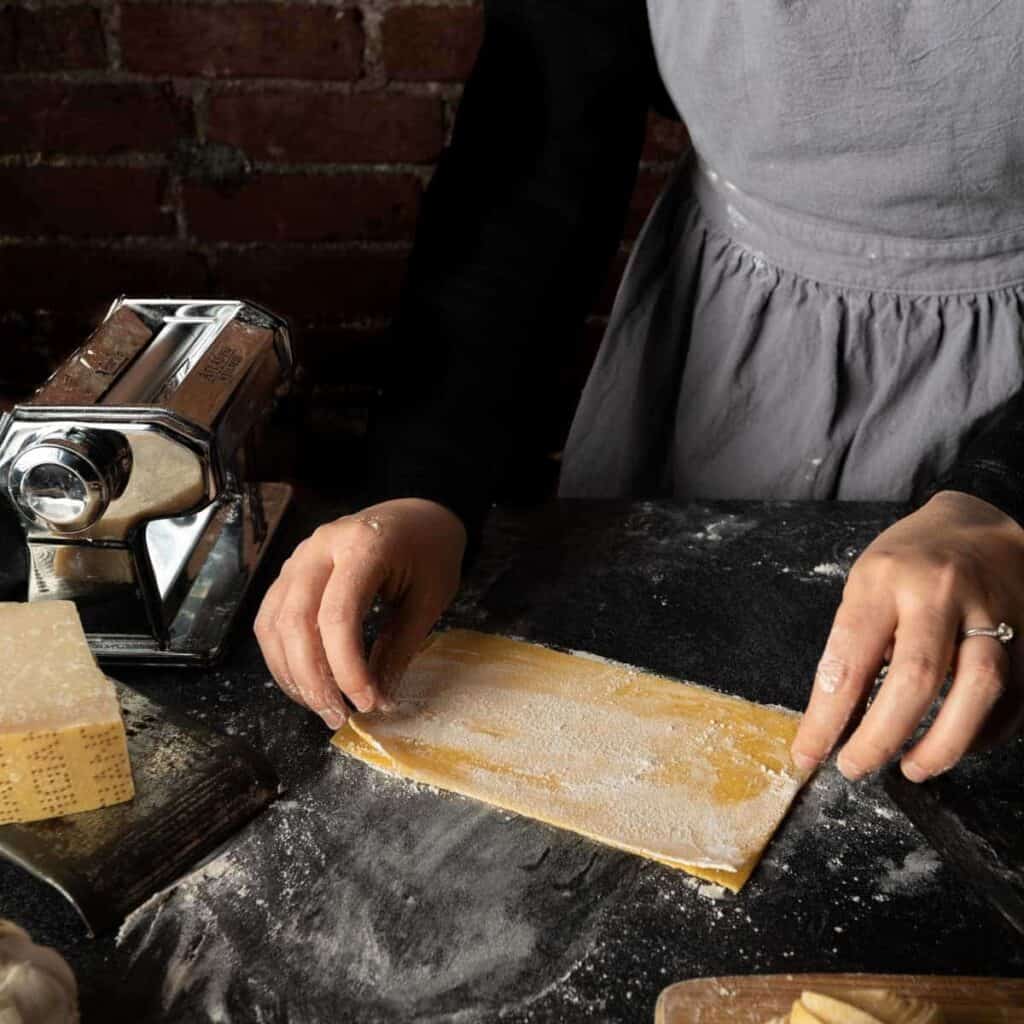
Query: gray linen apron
[828,295]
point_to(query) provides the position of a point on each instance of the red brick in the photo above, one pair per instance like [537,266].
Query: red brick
[51,38]
[306,208]
[301,282]
[87,278]
[649,184]
[59,117]
[263,40]
[431,44]
[294,126]
[666,139]
[82,201]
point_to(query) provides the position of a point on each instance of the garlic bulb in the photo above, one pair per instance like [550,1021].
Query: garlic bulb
[36,985]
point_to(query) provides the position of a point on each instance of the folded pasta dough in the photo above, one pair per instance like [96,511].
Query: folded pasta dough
[672,771]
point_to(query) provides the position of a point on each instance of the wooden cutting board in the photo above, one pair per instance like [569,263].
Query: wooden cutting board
[755,999]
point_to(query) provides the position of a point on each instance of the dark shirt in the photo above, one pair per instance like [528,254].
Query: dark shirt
[516,234]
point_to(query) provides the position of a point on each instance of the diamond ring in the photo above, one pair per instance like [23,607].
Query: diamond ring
[1003,633]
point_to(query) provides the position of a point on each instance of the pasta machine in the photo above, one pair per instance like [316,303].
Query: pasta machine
[130,472]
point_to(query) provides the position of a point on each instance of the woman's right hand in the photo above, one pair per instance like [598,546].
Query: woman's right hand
[310,625]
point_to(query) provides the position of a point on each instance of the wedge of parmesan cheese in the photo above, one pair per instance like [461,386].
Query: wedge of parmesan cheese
[62,741]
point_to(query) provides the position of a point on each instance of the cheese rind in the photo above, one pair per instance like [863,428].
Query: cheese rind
[63,747]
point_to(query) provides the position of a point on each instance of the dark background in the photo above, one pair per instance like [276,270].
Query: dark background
[272,151]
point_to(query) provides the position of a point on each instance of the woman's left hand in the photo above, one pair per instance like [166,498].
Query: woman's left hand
[957,563]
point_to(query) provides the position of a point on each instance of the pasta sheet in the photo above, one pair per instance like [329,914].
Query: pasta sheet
[668,770]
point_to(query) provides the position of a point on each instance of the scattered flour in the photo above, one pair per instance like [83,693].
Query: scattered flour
[353,906]
[829,569]
[918,868]
[724,528]
[713,892]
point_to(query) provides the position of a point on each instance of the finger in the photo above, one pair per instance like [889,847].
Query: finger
[346,600]
[300,638]
[920,661]
[270,641]
[1006,721]
[399,640]
[848,666]
[982,667]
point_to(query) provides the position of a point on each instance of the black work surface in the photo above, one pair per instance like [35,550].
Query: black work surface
[361,898]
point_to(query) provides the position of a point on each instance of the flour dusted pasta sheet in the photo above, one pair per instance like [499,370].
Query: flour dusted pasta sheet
[672,771]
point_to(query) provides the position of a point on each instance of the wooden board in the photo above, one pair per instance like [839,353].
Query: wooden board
[755,999]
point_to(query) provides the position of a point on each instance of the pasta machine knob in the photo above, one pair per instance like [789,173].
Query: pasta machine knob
[66,480]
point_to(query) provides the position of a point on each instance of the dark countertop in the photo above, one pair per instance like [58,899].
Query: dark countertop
[360,898]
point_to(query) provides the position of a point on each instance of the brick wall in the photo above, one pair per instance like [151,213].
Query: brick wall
[270,150]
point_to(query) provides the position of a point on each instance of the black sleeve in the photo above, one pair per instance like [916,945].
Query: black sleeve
[991,466]
[516,234]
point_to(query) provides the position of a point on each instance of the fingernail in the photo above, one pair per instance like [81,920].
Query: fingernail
[805,762]
[334,719]
[363,700]
[852,771]
[913,771]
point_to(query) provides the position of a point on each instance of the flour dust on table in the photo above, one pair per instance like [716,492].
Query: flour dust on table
[418,913]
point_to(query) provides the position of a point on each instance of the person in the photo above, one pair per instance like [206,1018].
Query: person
[825,303]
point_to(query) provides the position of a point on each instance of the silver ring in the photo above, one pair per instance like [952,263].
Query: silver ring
[1003,633]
